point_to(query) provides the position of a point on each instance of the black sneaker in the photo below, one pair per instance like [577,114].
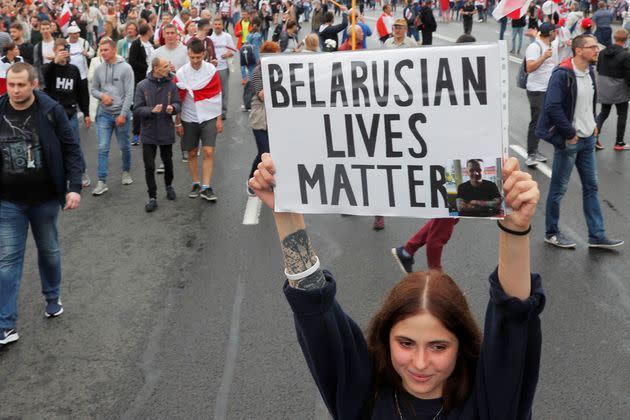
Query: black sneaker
[53,308]
[8,335]
[151,206]
[195,191]
[170,193]
[604,243]
[208,194]
[405,263]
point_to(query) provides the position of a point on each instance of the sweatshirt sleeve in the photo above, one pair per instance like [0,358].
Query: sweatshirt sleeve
[95,90]
[507,371]
[83,94]
[334,348]
[128,79]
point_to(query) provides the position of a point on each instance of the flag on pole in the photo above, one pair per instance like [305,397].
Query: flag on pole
[156,34]
[204,86]
[513,9]
[64,17]
[177,21]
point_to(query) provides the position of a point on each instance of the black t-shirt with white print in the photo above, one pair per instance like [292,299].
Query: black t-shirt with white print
[24,177]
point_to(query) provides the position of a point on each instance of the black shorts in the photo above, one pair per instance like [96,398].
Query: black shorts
[206,132]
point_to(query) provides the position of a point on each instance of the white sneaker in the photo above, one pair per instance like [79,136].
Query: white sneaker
[126,178]
[531,161]
[85,180]
[160,169]
[101,187]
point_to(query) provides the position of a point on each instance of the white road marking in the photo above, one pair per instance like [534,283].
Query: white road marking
[221,403]
[252,211]
[543,168]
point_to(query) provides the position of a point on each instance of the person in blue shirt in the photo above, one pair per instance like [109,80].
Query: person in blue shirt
[360,21]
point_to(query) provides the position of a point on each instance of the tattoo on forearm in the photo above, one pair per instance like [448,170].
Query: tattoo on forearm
[299,256]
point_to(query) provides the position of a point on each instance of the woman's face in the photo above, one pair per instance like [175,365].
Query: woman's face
[424,354]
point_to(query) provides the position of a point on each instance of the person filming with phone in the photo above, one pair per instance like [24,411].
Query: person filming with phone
[156,101]
[62,81]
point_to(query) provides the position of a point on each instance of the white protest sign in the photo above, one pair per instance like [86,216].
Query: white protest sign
[417,132]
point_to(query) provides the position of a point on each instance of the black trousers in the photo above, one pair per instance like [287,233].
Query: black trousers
[536,102]
[148,156]
[262,144]
[427,38]
[468,22]
[622,117]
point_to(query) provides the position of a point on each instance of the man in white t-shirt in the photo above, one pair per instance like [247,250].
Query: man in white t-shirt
[224,48]
[540,61]
[43,51]
[80,52]
[172,50]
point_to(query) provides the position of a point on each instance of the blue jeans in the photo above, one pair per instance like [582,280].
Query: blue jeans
[247,71]
[517,33]
[105,126]
[14,221]
[582,155]
[413,33]
[503,27]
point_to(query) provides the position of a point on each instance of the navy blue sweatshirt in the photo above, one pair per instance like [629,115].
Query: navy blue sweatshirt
[337,355]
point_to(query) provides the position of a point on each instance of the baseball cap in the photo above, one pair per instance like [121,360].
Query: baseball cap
[74,29]
[400,22]
[546,28]
[586,23]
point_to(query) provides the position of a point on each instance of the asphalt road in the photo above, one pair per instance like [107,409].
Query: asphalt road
[179,314]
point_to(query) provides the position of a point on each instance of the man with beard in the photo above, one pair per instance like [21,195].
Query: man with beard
[568,122]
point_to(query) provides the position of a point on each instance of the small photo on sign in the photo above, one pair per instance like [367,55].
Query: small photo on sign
[475,188]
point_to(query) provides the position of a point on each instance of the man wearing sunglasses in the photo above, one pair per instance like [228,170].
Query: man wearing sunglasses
[568,122]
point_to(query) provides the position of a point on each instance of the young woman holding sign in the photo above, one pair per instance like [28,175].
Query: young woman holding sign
[423,356]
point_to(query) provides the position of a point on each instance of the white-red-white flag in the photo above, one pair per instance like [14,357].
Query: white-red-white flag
[64,17]
[177,21]
[204,86]
[513,9]
[158,27]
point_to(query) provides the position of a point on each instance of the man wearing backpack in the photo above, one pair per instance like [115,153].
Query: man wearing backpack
[241,30]
[410,13]
[540,62]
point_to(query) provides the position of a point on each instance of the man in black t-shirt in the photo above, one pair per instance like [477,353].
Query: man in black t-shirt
[478,197]
[63,84]
[467,12]
[40,168]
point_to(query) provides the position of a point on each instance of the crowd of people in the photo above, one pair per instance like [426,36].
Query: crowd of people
[150,73]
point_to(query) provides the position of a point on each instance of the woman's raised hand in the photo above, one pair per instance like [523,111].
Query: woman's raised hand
[521,194]
[264,180]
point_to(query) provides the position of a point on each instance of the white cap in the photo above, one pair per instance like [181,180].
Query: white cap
[74,29]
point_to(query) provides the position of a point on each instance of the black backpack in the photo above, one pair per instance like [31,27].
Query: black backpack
[522,75]
[248,58]
[275,37]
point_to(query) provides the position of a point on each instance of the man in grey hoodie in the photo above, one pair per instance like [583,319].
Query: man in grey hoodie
[113,85]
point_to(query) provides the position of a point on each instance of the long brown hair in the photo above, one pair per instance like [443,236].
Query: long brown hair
[436,293]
